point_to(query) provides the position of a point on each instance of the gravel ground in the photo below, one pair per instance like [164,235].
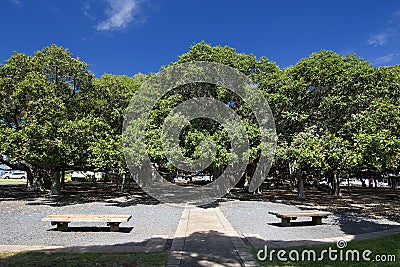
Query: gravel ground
[251,217]
[21,224]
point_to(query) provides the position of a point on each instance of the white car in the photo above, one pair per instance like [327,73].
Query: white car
[84,175]
[323,183]
[354,182]
[200,177]
[181,180]
[14,175]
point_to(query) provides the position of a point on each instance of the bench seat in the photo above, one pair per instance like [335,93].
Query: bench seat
[62,220]
[316,215]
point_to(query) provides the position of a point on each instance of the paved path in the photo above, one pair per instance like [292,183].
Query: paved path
[205,238]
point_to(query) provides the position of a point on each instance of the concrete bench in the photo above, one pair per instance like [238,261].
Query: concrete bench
[62,220]
[316,215]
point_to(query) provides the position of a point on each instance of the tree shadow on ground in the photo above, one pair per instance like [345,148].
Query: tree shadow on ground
[358,211]
[352,224]
[210,248]
[18,192]
[365,202]
[349,224]
[205,248]
[79,193]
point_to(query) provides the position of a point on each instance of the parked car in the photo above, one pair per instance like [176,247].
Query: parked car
[383,183]
[201,178]
[350,182]
[85,175]
[14,175]
[181,180]
[354,182]
[323,184]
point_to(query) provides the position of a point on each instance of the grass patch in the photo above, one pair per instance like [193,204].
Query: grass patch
[12,181]
[82,259]
[383,247]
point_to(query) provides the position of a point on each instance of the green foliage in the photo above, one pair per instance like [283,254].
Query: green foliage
[375,134]
[333,113]
[41,123]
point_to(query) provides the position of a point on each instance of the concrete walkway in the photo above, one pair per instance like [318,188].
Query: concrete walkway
[206,238]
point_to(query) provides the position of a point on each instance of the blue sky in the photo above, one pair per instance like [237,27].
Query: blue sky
[131,36]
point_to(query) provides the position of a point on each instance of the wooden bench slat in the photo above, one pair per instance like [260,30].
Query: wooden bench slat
[87,218]
[62,220]
[293,214]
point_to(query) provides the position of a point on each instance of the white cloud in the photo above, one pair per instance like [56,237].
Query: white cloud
[386,58]
[85,10]
[119,14]
[391,33]
[378,39]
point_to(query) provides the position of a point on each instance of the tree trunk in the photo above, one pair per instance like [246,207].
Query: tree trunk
[246,178]
[63,179]
[246,184]
[55,182]
[331,182]
[300,184]
[123,182]
[371,182]
[35,183]
[292,178]
[336,184]
[394,181]
[258,191]
[35,180]
[29,179]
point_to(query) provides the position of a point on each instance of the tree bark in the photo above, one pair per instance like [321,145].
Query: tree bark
[35,180]
[55,182]
[292,178]
[63,178]
[336,184]
[123,182]
[394,181]
[35,177]
[331,182]
[375,182]
[32,184]
[245,180]
[300,184]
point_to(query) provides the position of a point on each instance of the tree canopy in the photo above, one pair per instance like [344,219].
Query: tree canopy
[335,115]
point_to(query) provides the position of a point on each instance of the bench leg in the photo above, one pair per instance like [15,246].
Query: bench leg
[285,221]
[114,227]
[317,220]
[62,226]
